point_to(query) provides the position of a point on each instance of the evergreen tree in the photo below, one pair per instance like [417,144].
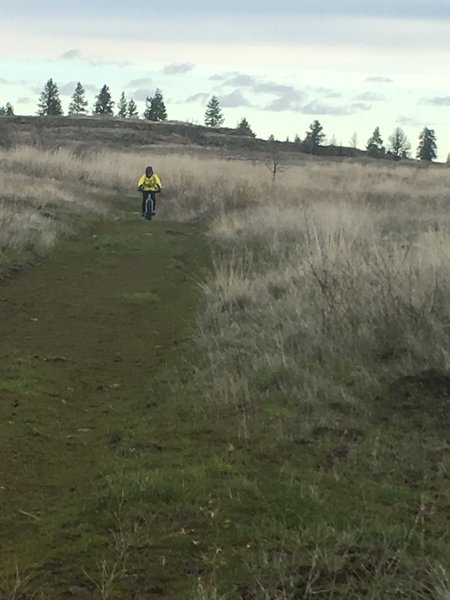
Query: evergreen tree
[375,146]
[7,110]
[297,139]
[271,138]
[103,102]
[155,109]
[244,128]
[79,103]
[132,110]
[49,102]
[122,107]
[213,115]
[399,144]
[427,149]
[314,137]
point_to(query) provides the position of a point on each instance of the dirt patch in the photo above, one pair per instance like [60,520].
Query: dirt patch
[422,400]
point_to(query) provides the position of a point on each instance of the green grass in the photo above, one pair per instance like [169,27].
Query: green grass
[115,469]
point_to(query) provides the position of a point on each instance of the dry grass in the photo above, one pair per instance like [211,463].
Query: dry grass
[327,325]
[328,287]
[342,277]
[291,257]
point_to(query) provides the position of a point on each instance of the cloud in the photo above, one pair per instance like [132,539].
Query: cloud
[12,82]
[141,94]
[76,54]
[178,69]
[283,103]
[261,86]
[201,96]
[234,100]
[138,83]
[218,77]
[73,54]
[67,89]
[325,92]
[370,97]
[318,108]
[24,100]
[411,121]
[386,8]
[287,96]
[241,79]
[436,101]
[380,80]
[332,95]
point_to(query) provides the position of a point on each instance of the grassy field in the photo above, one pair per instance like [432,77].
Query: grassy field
[249,401]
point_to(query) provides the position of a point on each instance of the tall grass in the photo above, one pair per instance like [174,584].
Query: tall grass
[324,337]
[326,326]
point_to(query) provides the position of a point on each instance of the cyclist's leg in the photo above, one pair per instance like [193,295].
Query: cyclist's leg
[144,201]
[153,196]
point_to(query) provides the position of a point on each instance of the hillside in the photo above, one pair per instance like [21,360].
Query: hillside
[245,398]
[114,133]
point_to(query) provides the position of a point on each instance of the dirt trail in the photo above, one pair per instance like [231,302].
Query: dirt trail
[81,335]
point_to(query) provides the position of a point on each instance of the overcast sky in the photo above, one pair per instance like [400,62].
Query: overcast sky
[351,64]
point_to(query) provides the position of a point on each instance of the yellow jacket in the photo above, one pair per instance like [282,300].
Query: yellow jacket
[150,184]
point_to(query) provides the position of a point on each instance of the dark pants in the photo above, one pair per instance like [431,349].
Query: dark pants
[145,196]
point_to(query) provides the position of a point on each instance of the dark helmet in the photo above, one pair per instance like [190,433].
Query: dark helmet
[149,171]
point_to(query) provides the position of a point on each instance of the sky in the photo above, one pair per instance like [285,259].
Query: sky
[351,64]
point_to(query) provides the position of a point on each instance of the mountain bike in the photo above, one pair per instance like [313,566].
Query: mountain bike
[150,205]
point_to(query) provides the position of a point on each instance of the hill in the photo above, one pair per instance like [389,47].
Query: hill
[114,133]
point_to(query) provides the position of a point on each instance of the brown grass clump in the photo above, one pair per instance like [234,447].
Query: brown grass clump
[326,283]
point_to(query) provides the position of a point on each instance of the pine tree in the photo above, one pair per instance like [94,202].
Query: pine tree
[7,110]
[155,109]
[297,139]
[213,115]
[79,103]
[427,149]
[314,137]
[375,146]
[271,138]
[122,107]
[103,102]
[49,102]
[244,128]
[132,110]
[399,144]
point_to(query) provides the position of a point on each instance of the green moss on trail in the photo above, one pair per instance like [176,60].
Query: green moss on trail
[79,349]
[118,481]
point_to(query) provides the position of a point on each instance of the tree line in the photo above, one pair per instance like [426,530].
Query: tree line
[155,110]
[398,147]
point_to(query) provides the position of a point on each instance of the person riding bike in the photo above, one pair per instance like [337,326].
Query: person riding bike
[150,185]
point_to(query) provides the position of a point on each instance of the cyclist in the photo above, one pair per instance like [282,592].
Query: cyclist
[150,185]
